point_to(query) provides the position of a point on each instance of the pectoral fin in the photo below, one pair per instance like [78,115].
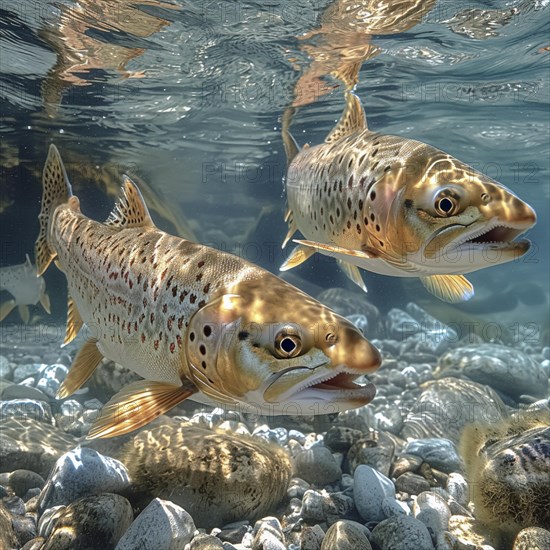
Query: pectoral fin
[25,313]
[449,288]
[136,405]
[74,322]
[5,309]
[84,364]
[352,271]
[299,255]
[333,250]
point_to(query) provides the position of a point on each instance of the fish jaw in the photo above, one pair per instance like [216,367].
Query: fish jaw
[483,243]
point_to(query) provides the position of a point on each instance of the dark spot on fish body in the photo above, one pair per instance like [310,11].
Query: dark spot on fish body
[372,195]
[178,340]
[152,318]
[202,349]
[156,344]
[340,186]
[366,220]
[192,298]
[377,227]
[200,264]
[374,153]
[169,282]
[156,293]
[203,365]
[331,219]
[349,225]
[201,304]
[172,347]
[387,168]
[174,291]
[355,214]
[199,276]
[360,205]
[207,330]
[372,216]
[183,295]
[337,212]
[358,227]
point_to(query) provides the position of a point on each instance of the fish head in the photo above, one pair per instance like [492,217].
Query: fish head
[272,347]
[446,217]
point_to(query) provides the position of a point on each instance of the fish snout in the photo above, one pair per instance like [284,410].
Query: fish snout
[506,206]
[349,349]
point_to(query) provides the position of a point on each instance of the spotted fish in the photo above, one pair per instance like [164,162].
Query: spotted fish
[399,207]
[193,321]
[25,287]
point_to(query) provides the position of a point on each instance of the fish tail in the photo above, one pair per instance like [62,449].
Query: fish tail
[56,190]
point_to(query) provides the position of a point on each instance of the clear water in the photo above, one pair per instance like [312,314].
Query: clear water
[189,97]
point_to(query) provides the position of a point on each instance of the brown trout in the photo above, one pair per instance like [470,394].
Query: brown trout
[193,321]
[25,287]
[399,207]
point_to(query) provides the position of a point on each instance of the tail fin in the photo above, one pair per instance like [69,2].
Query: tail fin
[56,190]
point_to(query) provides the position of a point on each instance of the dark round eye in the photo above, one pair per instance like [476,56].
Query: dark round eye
[287,345]
[446,206]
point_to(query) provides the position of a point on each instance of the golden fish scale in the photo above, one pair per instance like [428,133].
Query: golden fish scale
[137,288]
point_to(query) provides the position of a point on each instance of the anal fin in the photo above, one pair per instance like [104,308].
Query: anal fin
[5,309]
[74,322]
[24,312]
[137,404]
[299,255]
[449,288]
[353,273]
[84,364]
[45,301]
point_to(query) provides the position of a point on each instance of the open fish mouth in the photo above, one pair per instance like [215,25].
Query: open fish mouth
[334,385]
[494,236]
[497,237]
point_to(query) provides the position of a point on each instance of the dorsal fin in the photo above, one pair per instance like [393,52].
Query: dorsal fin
[353,118]
[130,210]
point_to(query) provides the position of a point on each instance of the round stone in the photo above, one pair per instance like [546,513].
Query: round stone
[162,524]
[438,453]
[317,465]
[370,489]
[505,369]
[346,535]
[402,533]
[91,522]
[532,538]
[82,472]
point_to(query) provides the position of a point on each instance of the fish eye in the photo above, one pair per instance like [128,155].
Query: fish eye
[287,344]
[446,204]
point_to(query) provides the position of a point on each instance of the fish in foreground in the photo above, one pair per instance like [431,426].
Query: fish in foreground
[193,321]
[398,207]
[25,287]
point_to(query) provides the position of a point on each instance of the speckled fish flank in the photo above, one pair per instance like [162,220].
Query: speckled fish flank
[399,207]
[25,287]
[191,320]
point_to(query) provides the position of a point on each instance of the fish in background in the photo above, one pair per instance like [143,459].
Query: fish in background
[398,207]
[27,289]
[193,321]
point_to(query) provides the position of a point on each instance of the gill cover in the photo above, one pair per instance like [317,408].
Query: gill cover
[211,329]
